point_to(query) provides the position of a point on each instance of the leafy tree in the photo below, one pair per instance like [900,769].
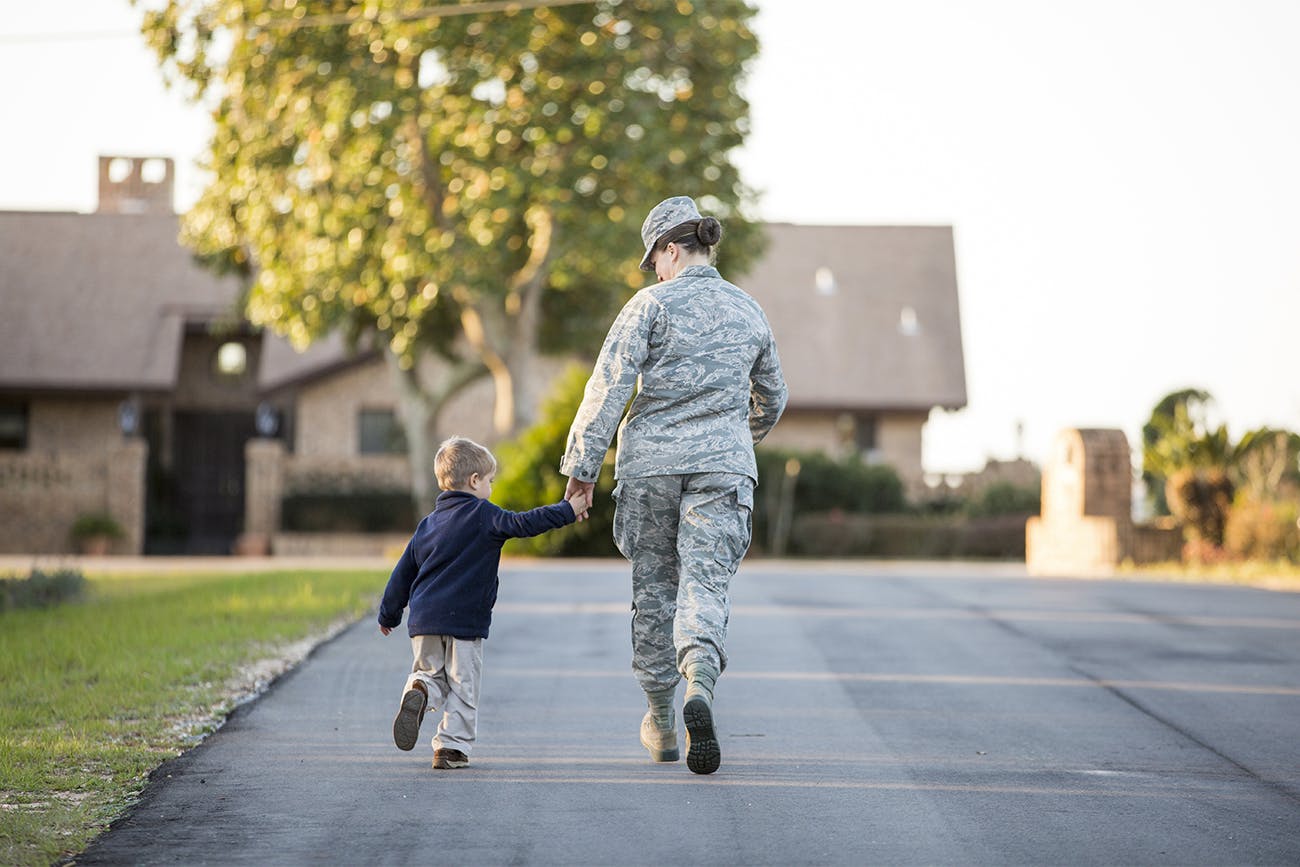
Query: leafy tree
[1166,437]
[461,186]
[1267,464]
[1262,522]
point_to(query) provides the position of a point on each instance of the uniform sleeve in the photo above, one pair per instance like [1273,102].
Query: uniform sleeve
[609,389]
[515,525]
[767,391]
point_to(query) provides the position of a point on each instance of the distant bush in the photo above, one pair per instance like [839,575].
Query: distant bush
[1262,530]
[94,524]
[357,512]
[1200,500]
[820,484]
[41,589]
[908,536]
[1005,498]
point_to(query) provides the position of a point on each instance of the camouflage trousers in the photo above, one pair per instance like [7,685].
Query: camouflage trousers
[685,536]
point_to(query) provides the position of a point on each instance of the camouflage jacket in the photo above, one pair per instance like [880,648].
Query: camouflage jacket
[710,383]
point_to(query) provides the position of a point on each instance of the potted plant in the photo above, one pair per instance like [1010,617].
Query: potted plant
[93,533]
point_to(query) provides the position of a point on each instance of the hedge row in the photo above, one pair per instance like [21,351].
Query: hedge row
[357,512]
[837,534]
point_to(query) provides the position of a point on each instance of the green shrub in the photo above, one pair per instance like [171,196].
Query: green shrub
[41,589]
[356,512]
[528,476]
[836,534]
[94,524]
[1200,500]
[821,484]
[1005,498]
[1262,530]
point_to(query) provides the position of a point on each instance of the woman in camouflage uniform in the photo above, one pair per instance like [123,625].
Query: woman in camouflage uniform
[710,387]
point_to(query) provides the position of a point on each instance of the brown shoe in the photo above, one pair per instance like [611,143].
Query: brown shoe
[446,759]
[406,725]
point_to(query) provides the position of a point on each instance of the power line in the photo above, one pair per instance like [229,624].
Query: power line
[33,38]
[445,10]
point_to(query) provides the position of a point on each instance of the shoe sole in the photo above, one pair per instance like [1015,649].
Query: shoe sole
[703,754]
[406,725]
[446,765]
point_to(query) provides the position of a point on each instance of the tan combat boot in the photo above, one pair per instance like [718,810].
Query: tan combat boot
[703,754]
[659,728]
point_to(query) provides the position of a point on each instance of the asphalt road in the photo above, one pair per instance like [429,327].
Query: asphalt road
[905,714]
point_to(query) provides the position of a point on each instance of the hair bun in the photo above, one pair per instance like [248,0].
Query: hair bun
[709,231]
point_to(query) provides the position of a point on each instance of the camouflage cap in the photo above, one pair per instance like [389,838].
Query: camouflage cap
[663,218]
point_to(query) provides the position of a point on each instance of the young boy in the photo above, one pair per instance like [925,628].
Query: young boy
[448,575]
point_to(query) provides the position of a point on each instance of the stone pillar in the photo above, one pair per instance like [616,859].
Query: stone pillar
[1086,527]
[127,462]
[263,490]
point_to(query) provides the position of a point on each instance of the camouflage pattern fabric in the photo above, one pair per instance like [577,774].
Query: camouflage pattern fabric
[665,216]
[710,383]
[685,536]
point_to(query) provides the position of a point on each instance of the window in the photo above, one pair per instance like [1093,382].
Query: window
[380,434]
[865,439]
[13,425]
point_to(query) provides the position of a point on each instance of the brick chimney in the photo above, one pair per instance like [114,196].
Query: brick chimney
[136,185]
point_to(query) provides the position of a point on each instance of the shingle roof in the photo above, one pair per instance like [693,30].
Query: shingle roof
[98,301]
[879,328]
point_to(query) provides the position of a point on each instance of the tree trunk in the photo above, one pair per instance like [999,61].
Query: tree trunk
[421,406]
[516,336]
[527,380]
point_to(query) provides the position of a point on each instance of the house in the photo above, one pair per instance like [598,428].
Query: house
[130,384]
[866,320]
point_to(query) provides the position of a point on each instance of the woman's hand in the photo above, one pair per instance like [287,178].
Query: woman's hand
[586,490]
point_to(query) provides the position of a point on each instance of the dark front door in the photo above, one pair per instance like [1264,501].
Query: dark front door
[208,463]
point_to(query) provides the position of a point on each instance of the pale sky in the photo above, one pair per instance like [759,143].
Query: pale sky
[1121,175]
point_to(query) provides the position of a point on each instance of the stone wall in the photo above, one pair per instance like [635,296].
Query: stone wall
[59,425]
[1086,527]
[43,493]
[386,545]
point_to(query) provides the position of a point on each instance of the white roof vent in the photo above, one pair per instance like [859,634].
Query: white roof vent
[825,281]
[908,324]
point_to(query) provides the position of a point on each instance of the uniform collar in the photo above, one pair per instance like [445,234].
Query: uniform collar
[697,271]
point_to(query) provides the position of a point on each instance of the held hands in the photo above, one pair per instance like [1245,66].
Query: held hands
[579,494]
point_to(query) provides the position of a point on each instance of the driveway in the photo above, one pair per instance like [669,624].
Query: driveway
[900,714]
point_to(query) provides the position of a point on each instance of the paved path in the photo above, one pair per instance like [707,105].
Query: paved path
[872,714]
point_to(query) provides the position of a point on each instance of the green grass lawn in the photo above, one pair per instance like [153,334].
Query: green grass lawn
[95,693]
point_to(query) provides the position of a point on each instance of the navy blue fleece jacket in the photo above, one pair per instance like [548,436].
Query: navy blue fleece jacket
[448,573]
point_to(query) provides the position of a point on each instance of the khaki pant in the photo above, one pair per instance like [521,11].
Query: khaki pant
[685,536]
[450,670]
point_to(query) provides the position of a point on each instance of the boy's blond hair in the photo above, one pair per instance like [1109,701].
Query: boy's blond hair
[459,458]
